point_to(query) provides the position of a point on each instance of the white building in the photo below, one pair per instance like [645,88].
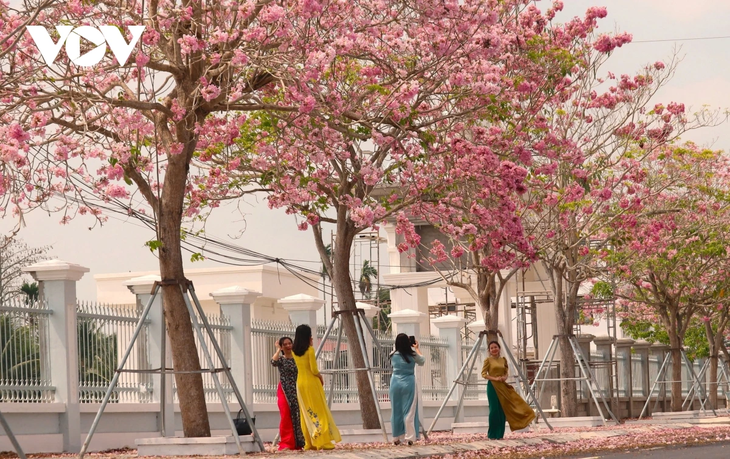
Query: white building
[272,282]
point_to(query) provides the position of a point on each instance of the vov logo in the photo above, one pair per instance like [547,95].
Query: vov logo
[102,36]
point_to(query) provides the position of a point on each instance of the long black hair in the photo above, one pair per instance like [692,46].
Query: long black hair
[301,339]
[403,347]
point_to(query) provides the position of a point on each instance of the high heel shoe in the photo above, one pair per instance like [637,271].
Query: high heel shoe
[396,442]
[410,443]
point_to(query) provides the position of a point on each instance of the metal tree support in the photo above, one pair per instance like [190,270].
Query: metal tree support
[586,375]
[696,384]
[725,373]
[185,288]
[359,318]
[463,379]
[693,392]
[11,437]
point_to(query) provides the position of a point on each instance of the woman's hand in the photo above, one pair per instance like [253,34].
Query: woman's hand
[277,354]
[417,347]
[321,379]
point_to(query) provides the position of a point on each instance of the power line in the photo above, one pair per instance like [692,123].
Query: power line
[227,252]
[723,37]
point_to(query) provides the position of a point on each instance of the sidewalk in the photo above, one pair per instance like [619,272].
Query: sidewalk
[538,443]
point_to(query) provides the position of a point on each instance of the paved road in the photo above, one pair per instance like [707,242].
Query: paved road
[714,451]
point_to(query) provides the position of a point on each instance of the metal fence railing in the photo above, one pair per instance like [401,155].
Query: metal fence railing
[25,367]
[103,334]
[432,377]
[343,385]
[221,327]
[264,335]
[476,388]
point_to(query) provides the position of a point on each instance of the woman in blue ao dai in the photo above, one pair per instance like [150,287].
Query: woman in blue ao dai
[403,395]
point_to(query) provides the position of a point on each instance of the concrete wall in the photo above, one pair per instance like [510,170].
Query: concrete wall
[37,425]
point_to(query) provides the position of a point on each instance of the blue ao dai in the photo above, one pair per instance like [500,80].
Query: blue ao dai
[403,397]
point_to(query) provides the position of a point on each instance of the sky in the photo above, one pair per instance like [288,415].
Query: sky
[703,78]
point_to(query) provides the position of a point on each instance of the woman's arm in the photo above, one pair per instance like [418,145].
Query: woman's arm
[275,358]
[420,359]
[313,365]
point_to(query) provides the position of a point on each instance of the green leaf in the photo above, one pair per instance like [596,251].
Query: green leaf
[153,245]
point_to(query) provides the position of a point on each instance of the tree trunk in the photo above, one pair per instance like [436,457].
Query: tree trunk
[489,303]
[714,341]
[346,300]
[714,359]
[182,342]
[565,320]
[675,343]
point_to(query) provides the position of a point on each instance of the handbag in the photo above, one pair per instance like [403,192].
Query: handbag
[241,424]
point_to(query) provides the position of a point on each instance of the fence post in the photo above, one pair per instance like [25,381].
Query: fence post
[236,303]
[57,284]
[603,350]
[623,366]
[603,346]
[477,327]
[641,348]
[449,327]
[302,309]
[584,341]
[142,289]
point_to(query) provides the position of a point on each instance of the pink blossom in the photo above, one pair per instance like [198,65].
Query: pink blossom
[116,191]
[307,105]
[210,92]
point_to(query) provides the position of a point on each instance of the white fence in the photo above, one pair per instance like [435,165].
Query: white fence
[24,344]
[56,363]
[104,332]
[221,326]
[342,385]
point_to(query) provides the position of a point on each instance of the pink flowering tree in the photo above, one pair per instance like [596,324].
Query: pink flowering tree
[13,159]
[393,104]
[590,158]
[148,138]
[715,317]
[669,259]
[479,217]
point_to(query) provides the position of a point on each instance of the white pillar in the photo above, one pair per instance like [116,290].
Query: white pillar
[400,262]
[449,328]
[408,297]
[142,289]
[58,287]
[477,327]
[236,303]
[623,352]
[303,309]
[407,321]
[641,348]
